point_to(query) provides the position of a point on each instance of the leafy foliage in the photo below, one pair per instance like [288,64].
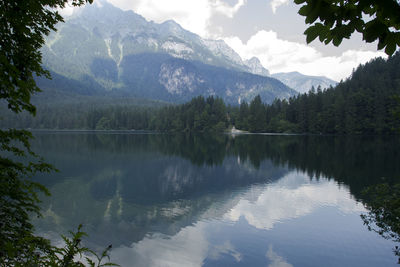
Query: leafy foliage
[65,256]
[23,25]
[68,256]
[333,20]
[18,199]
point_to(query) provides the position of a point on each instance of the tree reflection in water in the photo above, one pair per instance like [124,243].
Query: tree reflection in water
[383,203]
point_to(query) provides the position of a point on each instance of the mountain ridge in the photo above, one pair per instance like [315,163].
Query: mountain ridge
[303,83]
[119,52]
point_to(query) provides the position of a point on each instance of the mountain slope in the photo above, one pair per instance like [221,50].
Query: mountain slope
[178,80]
[104,50]
[303,83]
[123,33]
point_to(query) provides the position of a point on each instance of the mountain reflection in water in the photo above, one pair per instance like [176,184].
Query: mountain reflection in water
[192,200]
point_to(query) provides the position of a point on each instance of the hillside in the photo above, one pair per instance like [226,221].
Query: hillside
[102,50]
[363,104]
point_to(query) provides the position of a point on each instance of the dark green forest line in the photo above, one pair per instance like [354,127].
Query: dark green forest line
[363,104]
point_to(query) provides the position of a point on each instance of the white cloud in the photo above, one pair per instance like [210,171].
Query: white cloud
[225,9]
[67,10]
[295,201]
[279,55]
[193,15]
[188,247]
[225,249]
[277,3]
[276,260]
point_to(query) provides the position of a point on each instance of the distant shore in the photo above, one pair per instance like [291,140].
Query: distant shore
[237,131]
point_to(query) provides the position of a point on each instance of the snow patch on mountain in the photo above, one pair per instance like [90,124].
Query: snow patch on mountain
[121,53]
[179,50]
[108,45]
[152,42]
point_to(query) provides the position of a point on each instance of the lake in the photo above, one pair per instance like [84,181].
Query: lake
[218,200]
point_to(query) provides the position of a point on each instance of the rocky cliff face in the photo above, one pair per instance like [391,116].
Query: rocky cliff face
[256,67]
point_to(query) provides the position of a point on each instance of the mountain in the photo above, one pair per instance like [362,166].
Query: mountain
[129,33]
[303,83]
[101,49]
[177,80]
[255,67]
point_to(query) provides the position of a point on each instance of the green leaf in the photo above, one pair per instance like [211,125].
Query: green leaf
[337,41]
[90,262]
[314,31]
[390,48]
[304,10]
[373,30]
[381,44]
[328,39]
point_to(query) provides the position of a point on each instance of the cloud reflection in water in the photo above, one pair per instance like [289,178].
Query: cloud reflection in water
[262,206]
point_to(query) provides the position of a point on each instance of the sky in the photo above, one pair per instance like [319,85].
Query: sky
[268,29]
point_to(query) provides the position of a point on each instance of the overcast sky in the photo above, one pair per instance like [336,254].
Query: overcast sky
[268,29]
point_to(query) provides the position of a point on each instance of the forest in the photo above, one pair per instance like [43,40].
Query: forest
[365,103]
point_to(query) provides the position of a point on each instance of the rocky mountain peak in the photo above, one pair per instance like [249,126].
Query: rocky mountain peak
[256,67]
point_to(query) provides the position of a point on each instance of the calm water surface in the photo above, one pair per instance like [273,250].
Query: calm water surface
[251,200]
